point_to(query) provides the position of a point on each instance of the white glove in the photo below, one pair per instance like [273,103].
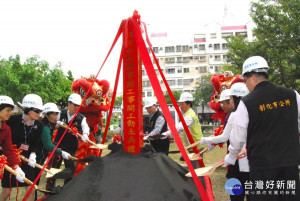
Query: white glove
[65,155]
[210,147]
[167,133]
[85,137]
[32,160]
[21,175]
[228,160]
[203,141]
[146,138]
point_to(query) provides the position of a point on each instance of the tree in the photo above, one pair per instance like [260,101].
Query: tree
[119,101]
[276,39]
[34,76]
[204,91]
[176,95]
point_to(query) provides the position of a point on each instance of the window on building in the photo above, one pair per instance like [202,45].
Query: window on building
[179,70]
[143,72]
[146,83]
[169,49]
[156,71]
[171,82]
[202,58]
[179,82]
[186,70]
[143,94]
[170,60]
[185,48]
[202,69]
[149,93]
[213,35]
[224,46]
[201,47]
[216,46]
[186,81]
[217,69]
[227,35]
[241,34]
[178,48]
[170,71]
[211,67]
[155,49]
[224,57]
[185,59]
[218,58]
[179,59]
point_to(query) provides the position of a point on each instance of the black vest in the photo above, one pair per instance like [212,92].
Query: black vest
[272,139]
[69,142]
[153,120]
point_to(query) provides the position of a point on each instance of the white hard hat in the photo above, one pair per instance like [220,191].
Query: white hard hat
[6,100]
[186,96]
[32,100]
[239,89]
[149,102]
[255,64]
[225,95]
[50,107]
[75,98]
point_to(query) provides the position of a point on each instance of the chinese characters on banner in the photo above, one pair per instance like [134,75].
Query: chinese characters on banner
[132,94]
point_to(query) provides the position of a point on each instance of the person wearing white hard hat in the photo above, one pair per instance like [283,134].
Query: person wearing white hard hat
[240,169]
[70,142]
[155,127]
[6,107]
[268,121]
[26,132]
[226,107]
[186,103]
[49,121]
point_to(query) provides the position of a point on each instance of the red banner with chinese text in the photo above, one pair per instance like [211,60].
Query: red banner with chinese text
[132,93]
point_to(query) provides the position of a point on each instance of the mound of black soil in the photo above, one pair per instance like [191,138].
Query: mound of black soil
[121,176]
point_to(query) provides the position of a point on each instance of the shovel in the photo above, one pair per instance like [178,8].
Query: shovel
[50,172]
[98,146]
[206,171]
[27,181]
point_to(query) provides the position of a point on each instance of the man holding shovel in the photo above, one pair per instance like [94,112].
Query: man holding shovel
[157,125]
[268,120]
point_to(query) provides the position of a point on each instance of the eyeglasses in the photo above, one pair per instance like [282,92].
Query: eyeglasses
[37,111]
[247,77]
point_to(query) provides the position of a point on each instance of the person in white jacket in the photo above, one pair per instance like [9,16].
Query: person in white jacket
[240,169]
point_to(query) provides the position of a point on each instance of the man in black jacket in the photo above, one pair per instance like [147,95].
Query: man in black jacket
[268,120]
[155,127]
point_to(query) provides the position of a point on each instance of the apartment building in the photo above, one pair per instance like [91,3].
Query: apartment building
[184,61]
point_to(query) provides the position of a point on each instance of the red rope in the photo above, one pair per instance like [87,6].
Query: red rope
[52,153]
[162,102]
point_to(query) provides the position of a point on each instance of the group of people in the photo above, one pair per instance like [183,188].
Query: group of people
[261,129]
[35,136]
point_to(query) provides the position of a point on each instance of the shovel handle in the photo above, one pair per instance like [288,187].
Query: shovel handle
[36,164]
[27,181]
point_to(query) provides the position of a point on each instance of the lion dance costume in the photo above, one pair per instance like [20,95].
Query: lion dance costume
[96,102]
[220,83]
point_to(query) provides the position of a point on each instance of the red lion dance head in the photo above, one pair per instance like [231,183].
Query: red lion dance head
[221,82]
[96,101]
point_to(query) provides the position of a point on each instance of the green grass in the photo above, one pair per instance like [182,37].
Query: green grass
[218,178]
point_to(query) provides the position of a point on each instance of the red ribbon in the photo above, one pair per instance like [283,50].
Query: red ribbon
[3,161]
